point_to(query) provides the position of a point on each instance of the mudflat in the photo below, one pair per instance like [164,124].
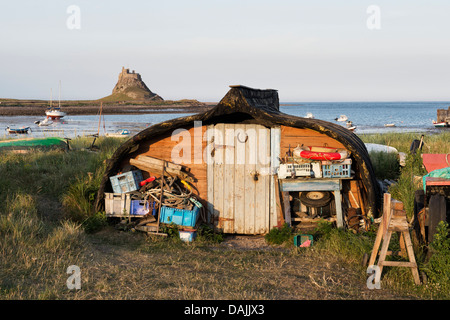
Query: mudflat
[36,107]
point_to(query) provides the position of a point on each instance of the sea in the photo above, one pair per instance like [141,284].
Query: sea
[367,117]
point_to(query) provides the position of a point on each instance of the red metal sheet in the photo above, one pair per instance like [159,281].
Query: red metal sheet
[434,181]
[434,161]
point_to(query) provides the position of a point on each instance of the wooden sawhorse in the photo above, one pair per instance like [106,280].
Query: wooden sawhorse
[394,220]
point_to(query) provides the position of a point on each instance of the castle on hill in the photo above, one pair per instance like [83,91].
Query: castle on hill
[131,85]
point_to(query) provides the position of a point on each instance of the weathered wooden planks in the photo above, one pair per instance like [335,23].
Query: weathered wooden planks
[291,137]
[163,147]
[239,178]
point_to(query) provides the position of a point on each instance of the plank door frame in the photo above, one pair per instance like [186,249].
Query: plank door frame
[233,210]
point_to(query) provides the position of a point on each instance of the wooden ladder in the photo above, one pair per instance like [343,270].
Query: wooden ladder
[394,220]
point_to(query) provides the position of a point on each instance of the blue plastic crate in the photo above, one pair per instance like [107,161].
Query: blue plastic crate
[336,170]
[142,207]
[126,182]
[187,218]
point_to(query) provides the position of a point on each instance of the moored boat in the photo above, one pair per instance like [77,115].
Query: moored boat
[43,123]
[442,118]
[22,130]
[342,118]
[441,124]
[119,133]
[54,113]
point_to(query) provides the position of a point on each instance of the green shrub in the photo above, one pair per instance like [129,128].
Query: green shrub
[207,234]
[405,187]
[172,230]
[385,165]
[437,268]
[279,235]
[79,199]
[95,222]
[342,244]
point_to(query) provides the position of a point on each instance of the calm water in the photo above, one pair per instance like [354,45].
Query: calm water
[368,117]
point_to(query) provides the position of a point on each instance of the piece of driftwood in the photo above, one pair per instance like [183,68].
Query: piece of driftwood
[287,207]
[150,229]
[159,163]
[150,167]
[279,208]
[148,219]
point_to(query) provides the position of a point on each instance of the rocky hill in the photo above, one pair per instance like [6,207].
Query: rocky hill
[130,87]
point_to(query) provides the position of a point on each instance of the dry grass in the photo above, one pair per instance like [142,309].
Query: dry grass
[120,265]
[433,143]
[38,243]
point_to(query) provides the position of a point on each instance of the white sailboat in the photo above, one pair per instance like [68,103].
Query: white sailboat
[55,113]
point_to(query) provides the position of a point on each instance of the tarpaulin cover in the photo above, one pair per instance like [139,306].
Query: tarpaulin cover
[443,173]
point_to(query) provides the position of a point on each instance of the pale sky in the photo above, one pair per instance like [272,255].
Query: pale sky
[318,50]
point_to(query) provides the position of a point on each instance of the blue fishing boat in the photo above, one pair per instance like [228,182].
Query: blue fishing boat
[22,130]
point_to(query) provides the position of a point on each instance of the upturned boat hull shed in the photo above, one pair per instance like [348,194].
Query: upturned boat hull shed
[242,156]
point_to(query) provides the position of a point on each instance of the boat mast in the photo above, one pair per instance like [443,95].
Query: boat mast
[59,105]
[99,118]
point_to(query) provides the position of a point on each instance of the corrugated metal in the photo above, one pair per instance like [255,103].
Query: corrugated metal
[239,178]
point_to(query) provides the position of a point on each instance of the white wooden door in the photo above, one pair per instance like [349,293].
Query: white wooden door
[239,177]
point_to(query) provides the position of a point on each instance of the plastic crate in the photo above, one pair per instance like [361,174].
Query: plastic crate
[187,235]
[336,170]
[117,204]
[187,218]
[289,170]
[142,207]
[303,240]
[126,182]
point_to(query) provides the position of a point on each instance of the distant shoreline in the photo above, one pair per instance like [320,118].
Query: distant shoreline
[32,108]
